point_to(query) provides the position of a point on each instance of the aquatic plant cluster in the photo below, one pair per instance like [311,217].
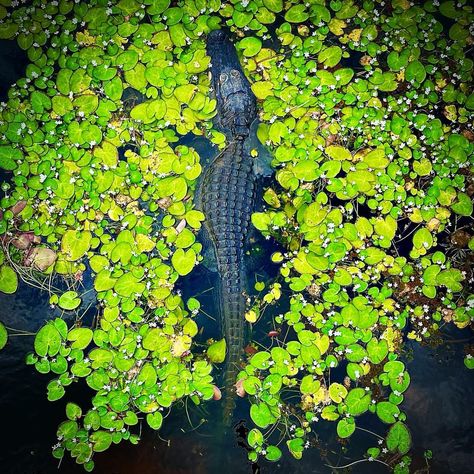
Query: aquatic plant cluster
[367,108]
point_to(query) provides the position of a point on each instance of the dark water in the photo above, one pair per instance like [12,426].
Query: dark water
[438,402]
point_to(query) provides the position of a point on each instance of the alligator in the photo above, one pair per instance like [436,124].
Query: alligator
[226,195]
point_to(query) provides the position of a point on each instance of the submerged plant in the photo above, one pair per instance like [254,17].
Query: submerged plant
[367,108]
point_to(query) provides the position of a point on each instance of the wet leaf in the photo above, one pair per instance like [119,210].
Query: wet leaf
[216,351]
[47,341]
[3,336]
[69,300]
[8,279]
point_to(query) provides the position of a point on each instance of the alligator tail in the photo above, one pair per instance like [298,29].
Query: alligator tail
[234,328]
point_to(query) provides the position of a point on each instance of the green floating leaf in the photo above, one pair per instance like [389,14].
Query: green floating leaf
[275,6]
[9,157]
[81,337]
[296,447]
[8,280]
[47,341]
[183,261]
[154,420]
[101,440]
[75,244]
[73,411]
[331,56]
[345,427]
[463,206]
[399,438]
[3,336]
[69,300]
[297,14]
[273,453]
[357,401]
[377,350]
[216,351]
[387,412]
[250,45]
[55,390]
[337,392]
[261,415]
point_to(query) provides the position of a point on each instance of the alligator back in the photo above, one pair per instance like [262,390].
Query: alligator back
[227,195]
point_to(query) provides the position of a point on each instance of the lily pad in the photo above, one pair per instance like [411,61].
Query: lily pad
[216,351]
[47,341]
[8,279]
[3,336]
[69,300]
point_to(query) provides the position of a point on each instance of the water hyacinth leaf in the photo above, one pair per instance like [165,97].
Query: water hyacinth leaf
[8,280]
[69,300]
[3,336]
[216,351]
[47,341]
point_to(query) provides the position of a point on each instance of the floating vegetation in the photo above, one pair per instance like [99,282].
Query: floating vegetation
[367,108]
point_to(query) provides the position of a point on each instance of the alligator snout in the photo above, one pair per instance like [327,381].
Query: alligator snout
[216,36]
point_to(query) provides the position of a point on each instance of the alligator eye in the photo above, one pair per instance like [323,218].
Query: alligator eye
[234,73]
[223,77]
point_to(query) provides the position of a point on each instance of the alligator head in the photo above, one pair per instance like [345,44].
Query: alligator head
[236,104]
